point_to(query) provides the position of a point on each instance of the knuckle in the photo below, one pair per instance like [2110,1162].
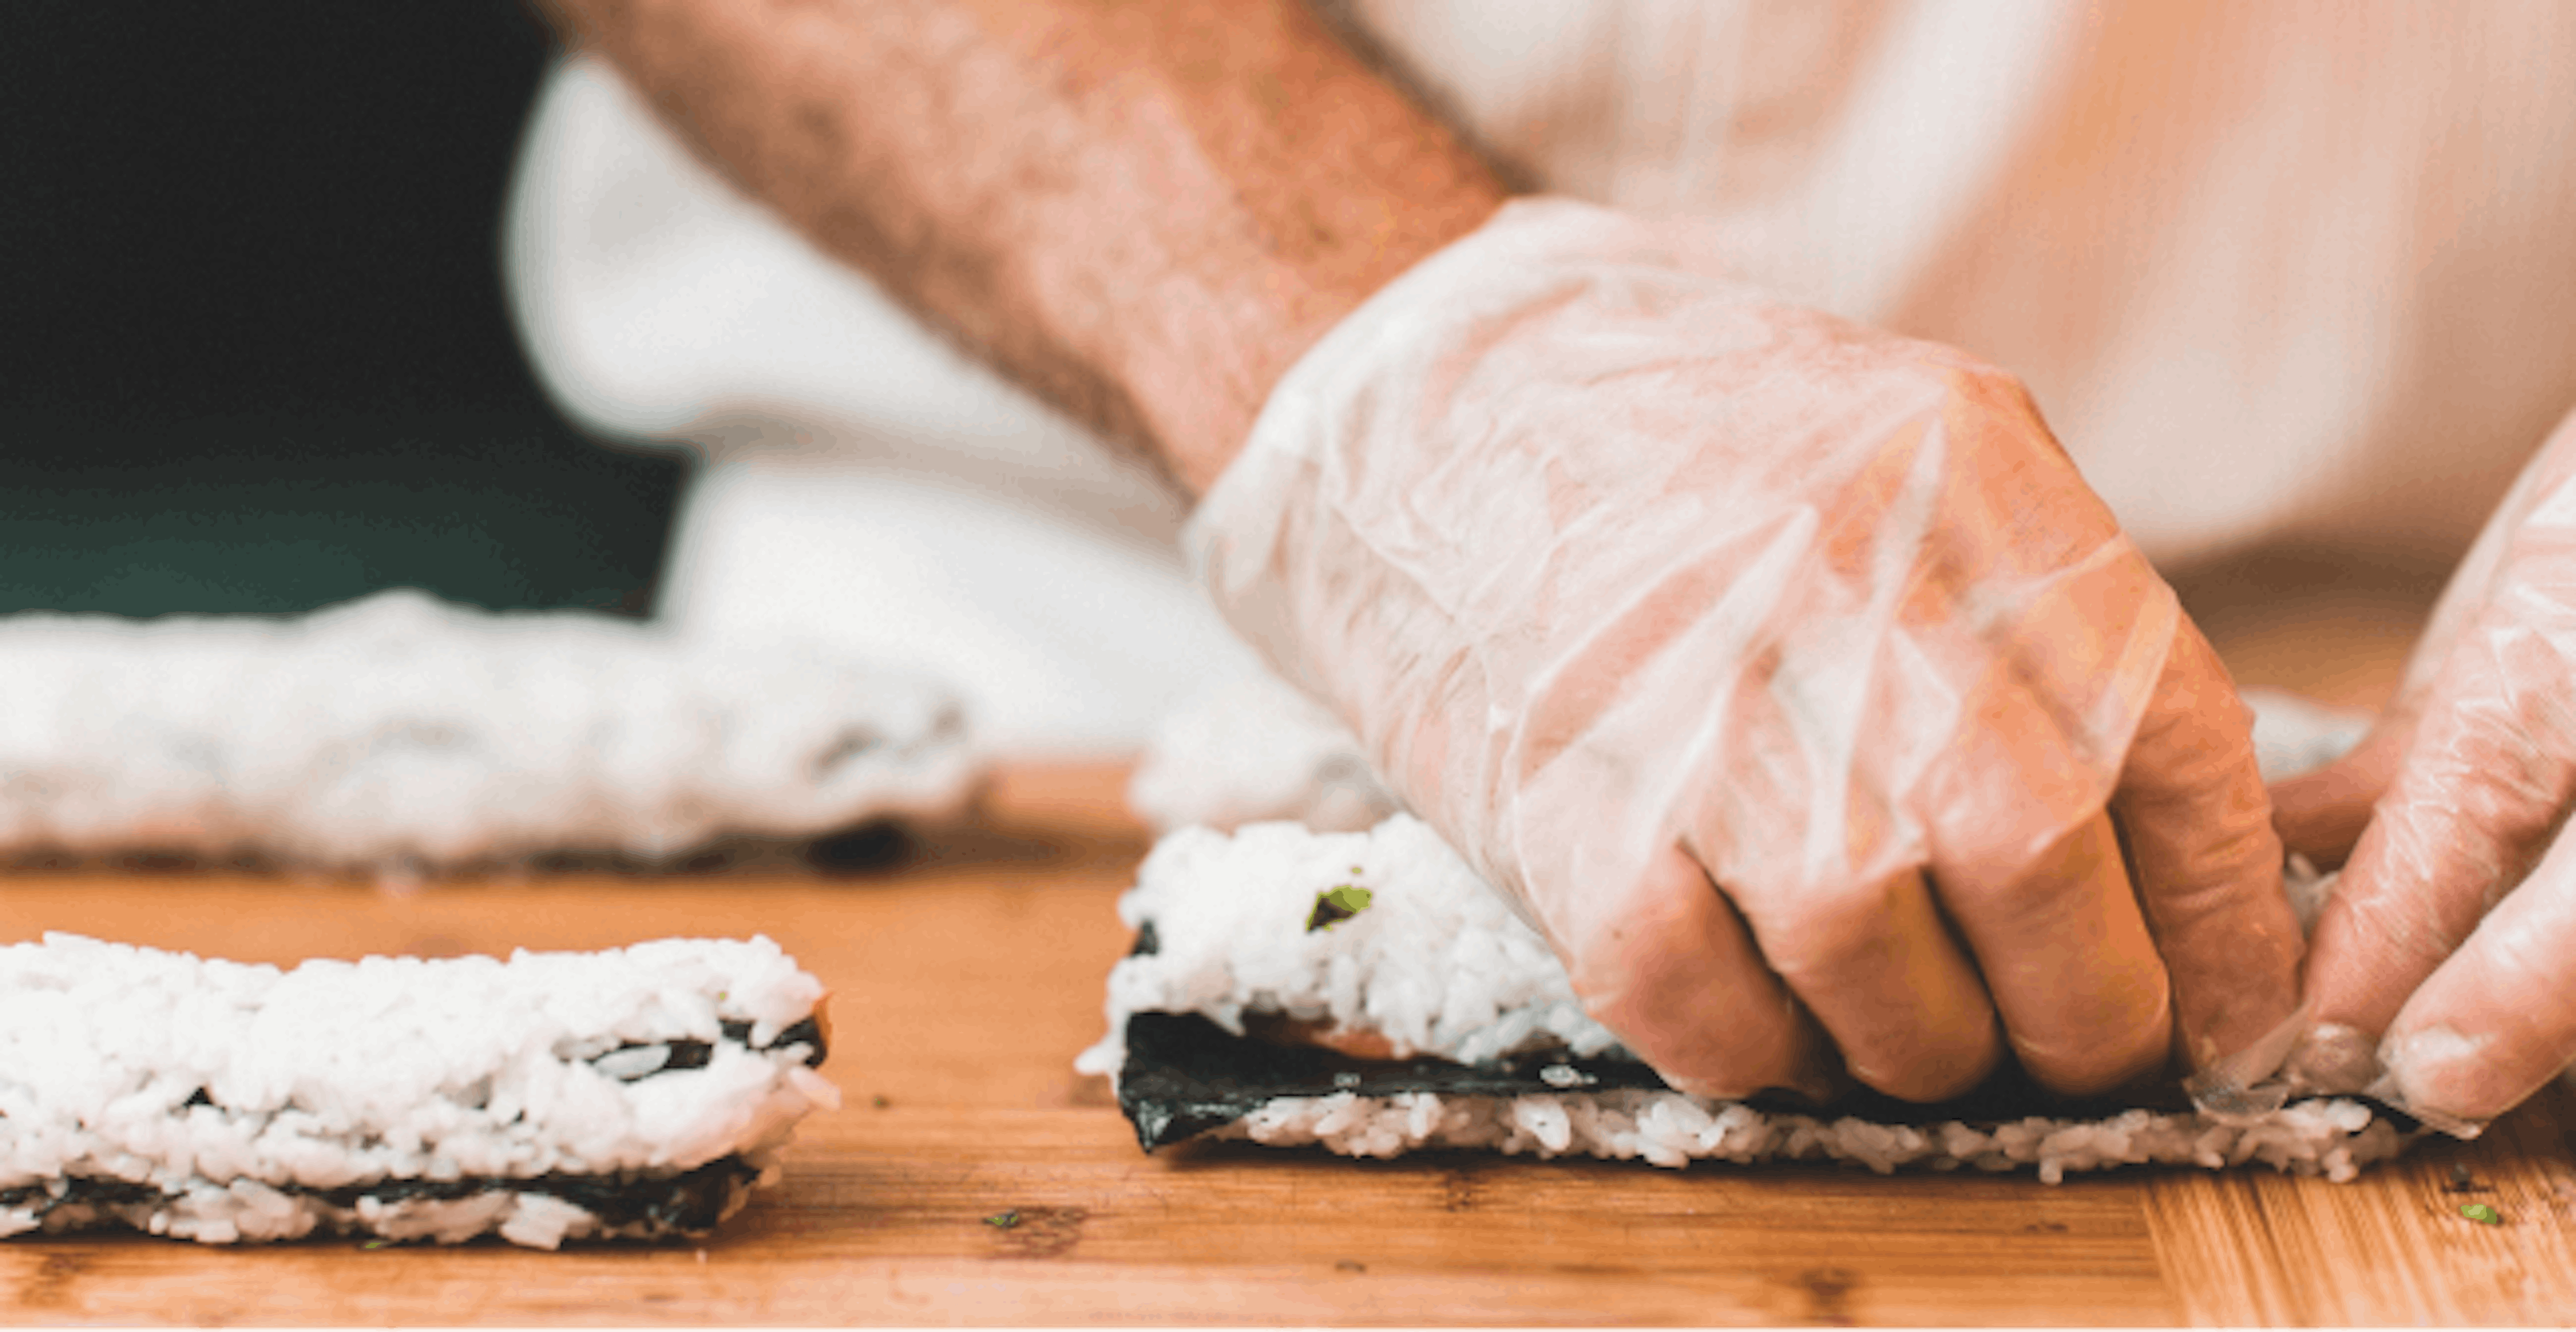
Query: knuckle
[2213,882]
[2037,901]
[2186,758]
[1818,937]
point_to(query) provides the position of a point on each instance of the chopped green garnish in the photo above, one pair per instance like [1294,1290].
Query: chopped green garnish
[375,1244]
[2482,1214]
[1003,1220]
[1335,905]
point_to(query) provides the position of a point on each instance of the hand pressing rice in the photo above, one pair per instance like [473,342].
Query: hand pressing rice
[637,1093]
[1434,1017]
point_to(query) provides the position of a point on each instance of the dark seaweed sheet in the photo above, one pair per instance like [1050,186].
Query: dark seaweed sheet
[684,1204]
[687,1054]
[1184,1075]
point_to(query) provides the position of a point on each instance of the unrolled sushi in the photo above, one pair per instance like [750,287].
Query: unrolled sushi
[1367,993]
[636,1093]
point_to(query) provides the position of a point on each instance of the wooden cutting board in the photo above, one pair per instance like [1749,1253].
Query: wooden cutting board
[965,980]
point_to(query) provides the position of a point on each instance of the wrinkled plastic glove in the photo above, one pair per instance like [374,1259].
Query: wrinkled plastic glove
[1779,669]
[2443,979]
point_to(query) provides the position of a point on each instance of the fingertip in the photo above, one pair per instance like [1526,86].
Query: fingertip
[2494,1023]
[2107,1063]
[1816,1084]
[1880,971]
[2332,1058]
[2084,996]
[2207,864]
[2233,951]
[1672,970]
[2238,1010]
[1927,1081]
[1947,1065]
[2242,1081]
[2446,1079]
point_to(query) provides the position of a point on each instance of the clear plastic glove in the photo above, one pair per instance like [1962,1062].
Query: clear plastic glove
[1781,670]
[2443,979]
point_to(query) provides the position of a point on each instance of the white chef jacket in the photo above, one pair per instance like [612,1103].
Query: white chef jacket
[2278,270]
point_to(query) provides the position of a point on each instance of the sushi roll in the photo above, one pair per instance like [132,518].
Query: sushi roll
[403,734]
[636,1093]
[1251,749]
[1365,992]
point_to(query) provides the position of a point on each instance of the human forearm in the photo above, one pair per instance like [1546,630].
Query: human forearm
[1144,212]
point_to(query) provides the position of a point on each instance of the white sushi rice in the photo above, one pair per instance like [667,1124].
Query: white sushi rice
[1251,749]
[2294,734]
[2331,1138]
[401,732]
[224,1102]
[1438,965]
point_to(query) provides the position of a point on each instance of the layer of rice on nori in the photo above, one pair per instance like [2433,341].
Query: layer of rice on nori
[635,1093]
[1245,953]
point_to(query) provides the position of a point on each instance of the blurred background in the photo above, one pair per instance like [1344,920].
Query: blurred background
[257,355]
[308,301]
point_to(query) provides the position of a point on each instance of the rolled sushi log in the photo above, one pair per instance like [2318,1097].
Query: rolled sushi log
[637,1093]
[1367,993]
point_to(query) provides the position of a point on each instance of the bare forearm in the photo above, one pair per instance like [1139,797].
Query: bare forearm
[1144,211]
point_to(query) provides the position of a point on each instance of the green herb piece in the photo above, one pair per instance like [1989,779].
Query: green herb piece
[1336,905]
[375,1244]
[1003,1220]
[2482,1214]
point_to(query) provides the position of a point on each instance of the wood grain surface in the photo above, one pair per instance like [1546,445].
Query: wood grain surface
[967,976]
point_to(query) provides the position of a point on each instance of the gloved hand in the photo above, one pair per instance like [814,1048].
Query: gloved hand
[2443,979]
[1774,666]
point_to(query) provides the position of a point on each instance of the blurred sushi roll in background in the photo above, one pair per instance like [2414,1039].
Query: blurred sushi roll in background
[402,733]
[1251,749]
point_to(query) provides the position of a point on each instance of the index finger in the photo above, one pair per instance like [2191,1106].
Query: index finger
[2494,1023]
[2209,867]
[2485,785]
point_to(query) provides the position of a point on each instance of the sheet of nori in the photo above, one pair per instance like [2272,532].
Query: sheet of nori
[1184,1075]
[689,1203]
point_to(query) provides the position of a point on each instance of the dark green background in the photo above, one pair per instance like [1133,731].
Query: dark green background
[253,350]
